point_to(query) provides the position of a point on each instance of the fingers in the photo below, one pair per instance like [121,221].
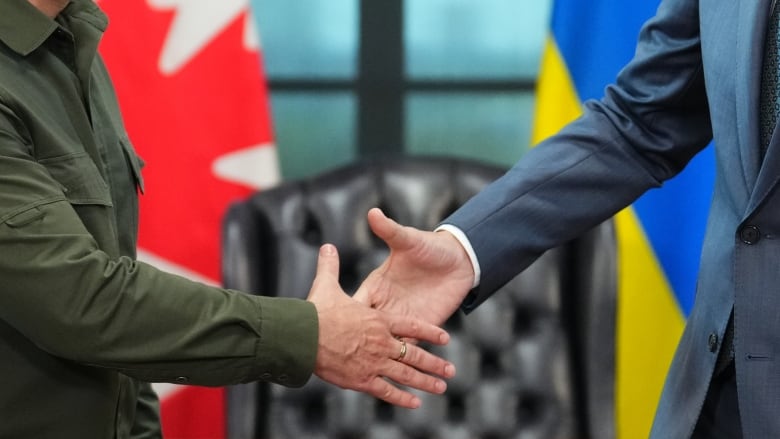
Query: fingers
[381,366]
[409,353]
[404,326]
[327,278]
[402,351]
[389,231]
[328,263]
[424,361]
[409,375]
[380,388]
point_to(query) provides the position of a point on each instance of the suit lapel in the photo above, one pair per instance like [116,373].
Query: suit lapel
[754,18]
[751,29]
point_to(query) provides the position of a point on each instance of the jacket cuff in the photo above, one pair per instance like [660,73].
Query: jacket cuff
[287,349]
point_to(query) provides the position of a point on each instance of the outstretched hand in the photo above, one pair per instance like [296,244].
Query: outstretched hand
[359,347]
[426,276]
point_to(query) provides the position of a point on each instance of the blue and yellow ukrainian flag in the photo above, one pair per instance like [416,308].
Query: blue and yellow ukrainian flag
[659,237]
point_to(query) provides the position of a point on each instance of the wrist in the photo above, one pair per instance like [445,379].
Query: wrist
[466,254]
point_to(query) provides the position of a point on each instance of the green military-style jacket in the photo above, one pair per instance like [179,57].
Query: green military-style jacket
[83,325]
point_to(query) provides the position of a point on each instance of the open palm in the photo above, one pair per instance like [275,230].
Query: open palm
[426,276]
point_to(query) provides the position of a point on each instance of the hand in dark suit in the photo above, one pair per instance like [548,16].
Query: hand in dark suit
[426,276]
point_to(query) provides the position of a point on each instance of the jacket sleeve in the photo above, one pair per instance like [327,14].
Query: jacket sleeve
[61,291]
[645,129]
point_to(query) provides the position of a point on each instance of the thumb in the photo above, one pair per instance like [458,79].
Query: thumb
[389,231]
[327,271]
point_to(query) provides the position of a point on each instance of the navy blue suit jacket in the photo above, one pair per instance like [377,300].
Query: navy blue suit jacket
[696,75]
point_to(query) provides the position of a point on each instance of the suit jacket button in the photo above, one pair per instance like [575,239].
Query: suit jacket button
[712,342]
[181,380]
[750,235]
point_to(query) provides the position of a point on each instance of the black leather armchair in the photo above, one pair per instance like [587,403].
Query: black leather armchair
[535,361]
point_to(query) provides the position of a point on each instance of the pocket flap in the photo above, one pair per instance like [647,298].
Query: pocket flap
[136,164]
[80,179]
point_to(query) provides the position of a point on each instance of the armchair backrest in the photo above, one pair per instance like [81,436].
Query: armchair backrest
[534,361]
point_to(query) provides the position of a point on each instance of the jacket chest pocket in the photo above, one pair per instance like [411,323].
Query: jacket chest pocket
[79,178]
[89,195]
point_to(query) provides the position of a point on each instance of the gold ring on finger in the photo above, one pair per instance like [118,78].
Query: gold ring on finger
[402,354]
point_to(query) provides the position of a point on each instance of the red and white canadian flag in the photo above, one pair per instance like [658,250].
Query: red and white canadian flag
[189,81]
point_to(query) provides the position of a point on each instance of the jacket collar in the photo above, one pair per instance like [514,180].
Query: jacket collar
[23,28]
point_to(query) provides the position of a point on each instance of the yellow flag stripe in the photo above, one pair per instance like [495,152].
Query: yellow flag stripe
[649,322]
[557,102]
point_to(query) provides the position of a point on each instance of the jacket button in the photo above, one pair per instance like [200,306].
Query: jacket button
[750,235]
[712,342]
[266,376]
[181,380]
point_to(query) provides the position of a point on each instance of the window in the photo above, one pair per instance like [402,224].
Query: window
[365,78]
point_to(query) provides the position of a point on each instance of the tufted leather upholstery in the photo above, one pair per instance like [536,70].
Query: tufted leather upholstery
[536,361]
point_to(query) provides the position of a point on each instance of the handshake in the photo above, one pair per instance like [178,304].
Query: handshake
[368,342]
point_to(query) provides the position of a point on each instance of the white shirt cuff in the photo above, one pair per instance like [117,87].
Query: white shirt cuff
[464,241]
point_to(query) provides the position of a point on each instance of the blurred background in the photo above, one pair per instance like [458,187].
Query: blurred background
[225,98]
[371,78]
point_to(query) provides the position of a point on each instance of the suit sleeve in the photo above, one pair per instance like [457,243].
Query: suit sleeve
[645,129]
